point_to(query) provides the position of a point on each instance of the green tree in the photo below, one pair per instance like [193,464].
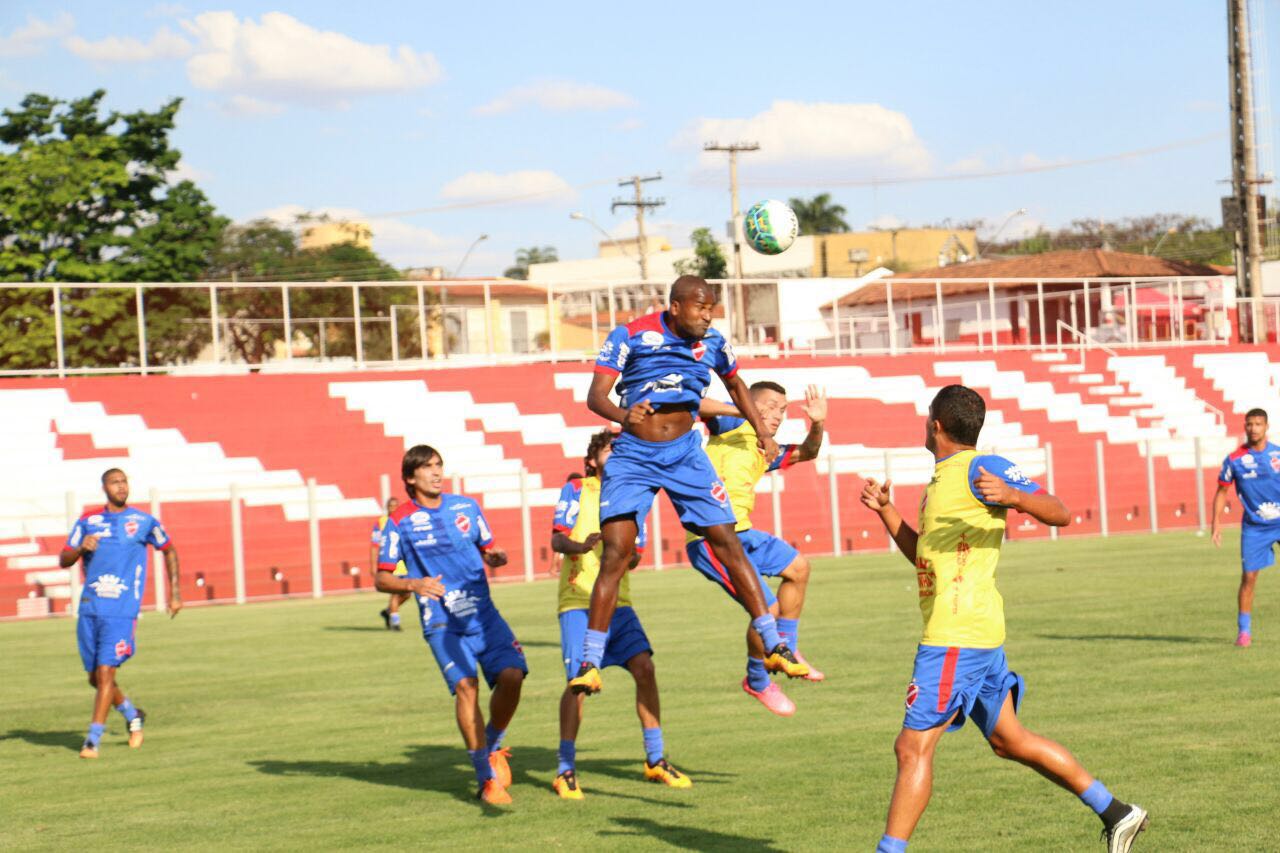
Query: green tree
[88,197]
[526,258]
[708,261]
[819,216]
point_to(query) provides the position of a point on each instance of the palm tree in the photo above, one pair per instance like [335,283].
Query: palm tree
[818,215]
[527,257]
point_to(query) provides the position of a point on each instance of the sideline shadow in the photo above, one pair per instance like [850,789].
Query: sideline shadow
[71,740]
[446,770]
[690,838]
[1137,638]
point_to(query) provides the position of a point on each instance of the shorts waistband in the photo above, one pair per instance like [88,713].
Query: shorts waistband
[628,438]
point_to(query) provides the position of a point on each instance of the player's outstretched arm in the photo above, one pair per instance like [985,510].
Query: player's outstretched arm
[741,397]
[710,408]
[1041,505]
[386,581]
[175,589]
[562,544]
[875,497]
[815,409]
[1219,504]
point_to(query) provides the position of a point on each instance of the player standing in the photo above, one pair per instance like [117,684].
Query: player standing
[663,363]
[576,535]
[112,542]
[445,543]
[960,666]
[733,452]
[391,613]
[1254,467]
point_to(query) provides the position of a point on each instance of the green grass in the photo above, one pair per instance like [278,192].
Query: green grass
[304,725]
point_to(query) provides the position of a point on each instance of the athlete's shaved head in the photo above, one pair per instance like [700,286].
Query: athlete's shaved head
[686,287]
[691,301]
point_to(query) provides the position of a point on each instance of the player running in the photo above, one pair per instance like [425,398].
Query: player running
[391,613]
[1254,467]
[733,452]
[663,363]
[445,543]
[576,535]
[960,667]
[112,542]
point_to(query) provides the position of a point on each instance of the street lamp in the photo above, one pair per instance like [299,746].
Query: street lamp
[1022,211]
[582,217]
[458,269]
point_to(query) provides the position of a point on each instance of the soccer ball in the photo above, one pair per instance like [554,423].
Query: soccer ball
[770,227]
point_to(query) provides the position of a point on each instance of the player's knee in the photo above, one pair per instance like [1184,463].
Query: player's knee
[1002,746]
[642,669]
[466,689]
[910,751]
[510,678]
[798,571]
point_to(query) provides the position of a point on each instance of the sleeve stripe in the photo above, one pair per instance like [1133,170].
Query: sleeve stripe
[561,528]
[732,372]
[1224,482]
[608,370]
[167,546]
[386,567]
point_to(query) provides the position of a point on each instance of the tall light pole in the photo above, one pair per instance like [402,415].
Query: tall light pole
[582,217]
[476,242]
[1022,211]
[1244,166]
[735,213]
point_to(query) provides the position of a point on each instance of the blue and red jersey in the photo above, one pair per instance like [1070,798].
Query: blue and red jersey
[1256,475]
[654,363]
[448,542]
[115,574]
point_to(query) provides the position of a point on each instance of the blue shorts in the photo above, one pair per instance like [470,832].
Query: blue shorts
[490,645]
[626,639]
[971,681]
[105,640]
[1256,544]
[768,554]
[637,469]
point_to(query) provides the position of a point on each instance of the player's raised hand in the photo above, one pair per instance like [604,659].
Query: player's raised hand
[768,447]
[430,587]
[637,413]
[815,404]
[495,558]
[89,544]
[994,490]
[875,496]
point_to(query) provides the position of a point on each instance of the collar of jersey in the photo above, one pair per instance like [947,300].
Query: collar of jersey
[938,462]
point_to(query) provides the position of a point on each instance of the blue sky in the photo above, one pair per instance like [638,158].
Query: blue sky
[503,118]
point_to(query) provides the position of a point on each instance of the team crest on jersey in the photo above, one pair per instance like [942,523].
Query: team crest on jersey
[462,523]
[130,528]
[913,693]
[123,649]
[652,339]
[699,350]
[718,492]
[1248,461]
[94,519]
[108,586]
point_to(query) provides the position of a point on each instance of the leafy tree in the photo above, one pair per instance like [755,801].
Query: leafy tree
[87,197]
[526,258]
[708,261]
[1168,235]
[819,216]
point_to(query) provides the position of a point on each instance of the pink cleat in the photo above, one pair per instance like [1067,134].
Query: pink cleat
[772,698]
[815,674]
[1243,640]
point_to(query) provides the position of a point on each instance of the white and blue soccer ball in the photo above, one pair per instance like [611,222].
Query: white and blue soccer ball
[770,227]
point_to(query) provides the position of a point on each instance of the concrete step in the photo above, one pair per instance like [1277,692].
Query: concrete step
[33,607]
[1048,356]
[1105,390]
[19,549]
[1087,378]
[41,561]
[1066,368]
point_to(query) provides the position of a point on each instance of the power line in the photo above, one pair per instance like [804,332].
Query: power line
[641,204]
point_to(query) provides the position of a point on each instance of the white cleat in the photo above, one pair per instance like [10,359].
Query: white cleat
[1120,837]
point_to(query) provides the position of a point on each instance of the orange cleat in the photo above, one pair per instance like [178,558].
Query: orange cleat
[566,786]
[135,729]
[494,794]
[783,660]
[587,680]
[666,774]
[501,769]
[88,750]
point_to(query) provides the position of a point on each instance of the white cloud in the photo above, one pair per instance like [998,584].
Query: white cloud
[29,39]
[1031,161]
[282,60]
[243,105]
[400,243]
[1015,227]
[532,186]
[968,166]
[792,133]
[187,172]
[561,96]
[164,44]
[886,222]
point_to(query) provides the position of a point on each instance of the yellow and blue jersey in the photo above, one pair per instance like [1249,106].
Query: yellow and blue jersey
[379,527]
[578,516]
[957,551]
[733,453]
[1256,475]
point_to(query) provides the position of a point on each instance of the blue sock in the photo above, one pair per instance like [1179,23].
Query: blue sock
[593,647]
[757,675]
[395,618]
[568,756]
[1097,797]
[789,631]
[493,737]
[95,733]
[1245,621]
[126,708]
[767,628]
[653,748]
[889,844]
[480,761]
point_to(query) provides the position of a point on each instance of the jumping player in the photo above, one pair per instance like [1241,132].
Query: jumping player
[663,363]
[733,452]
[445,543]
[576,535]
[112,542]
[391,613]
[1254,468]
[960,667]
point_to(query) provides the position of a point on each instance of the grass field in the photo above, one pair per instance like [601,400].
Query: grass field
[305,725]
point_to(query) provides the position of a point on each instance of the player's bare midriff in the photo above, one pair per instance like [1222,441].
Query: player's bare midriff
[667,423]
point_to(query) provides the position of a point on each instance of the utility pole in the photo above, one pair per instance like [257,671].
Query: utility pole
[1244,165]
[735,216]
[641,204]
